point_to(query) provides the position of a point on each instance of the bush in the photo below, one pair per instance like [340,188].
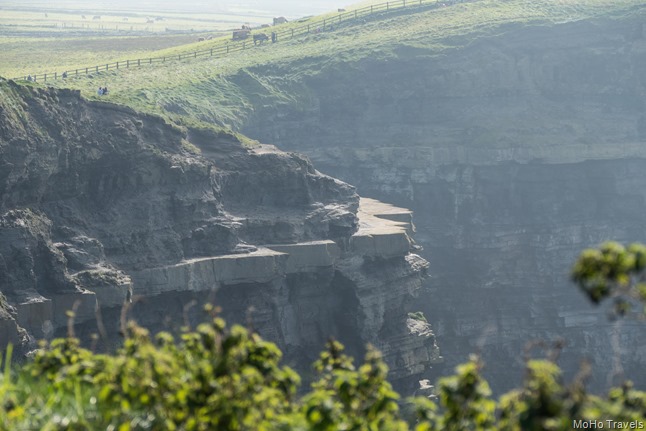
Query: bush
[418,315]
[219,379]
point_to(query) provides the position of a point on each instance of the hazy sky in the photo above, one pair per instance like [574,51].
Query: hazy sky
[290,8]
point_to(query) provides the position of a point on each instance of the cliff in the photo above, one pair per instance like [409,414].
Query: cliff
[517,146]
[514,129]
[101,206]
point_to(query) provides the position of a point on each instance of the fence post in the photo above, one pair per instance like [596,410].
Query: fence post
[86,71]
[150,60]
[179,57]
[45,77]
[117,65]
[308,28]
[139,62]
[404,3]
[77,72]
[195,54]
[106,67]
[55,76]
[355,13]
[227,48]
[243,44]
[292,32]
[97,69]
[211,52]
[386,5]
[370,9]
[164,60]
[127,64]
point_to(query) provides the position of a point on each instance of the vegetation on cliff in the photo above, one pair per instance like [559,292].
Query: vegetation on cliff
[225,90]
[231,379]
[215,378]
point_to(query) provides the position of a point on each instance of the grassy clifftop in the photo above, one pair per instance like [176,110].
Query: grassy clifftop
[211,89]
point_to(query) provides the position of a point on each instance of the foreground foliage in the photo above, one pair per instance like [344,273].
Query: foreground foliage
[616,273]
[219,379]
[214,378]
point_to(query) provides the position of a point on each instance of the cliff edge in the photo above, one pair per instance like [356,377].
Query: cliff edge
[101,206]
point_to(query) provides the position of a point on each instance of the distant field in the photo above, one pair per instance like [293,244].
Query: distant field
[38,36]
[70,35]
[21,56]
[24,21]
[288,8]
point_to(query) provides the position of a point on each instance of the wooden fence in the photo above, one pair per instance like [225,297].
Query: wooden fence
[278,33]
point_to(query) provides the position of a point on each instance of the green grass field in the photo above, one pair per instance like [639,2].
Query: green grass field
[210,89]
[202,87]
[41,40]
[21,56]
[29,21]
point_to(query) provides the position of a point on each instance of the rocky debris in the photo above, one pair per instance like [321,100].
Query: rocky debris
[82,252]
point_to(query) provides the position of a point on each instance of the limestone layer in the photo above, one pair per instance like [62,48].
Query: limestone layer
[118,215]
[516,147]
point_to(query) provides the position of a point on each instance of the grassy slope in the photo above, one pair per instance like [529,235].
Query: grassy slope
[40,55]
[205,88]
[34,42]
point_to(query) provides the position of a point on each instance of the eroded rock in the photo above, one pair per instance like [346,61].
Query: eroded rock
[101,206]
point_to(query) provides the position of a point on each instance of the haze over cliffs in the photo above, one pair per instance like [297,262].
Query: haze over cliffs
[101,206]
[514,129]
[516,149]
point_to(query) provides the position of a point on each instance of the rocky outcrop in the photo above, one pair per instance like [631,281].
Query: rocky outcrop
[516,150]
[299,294]
[101,207]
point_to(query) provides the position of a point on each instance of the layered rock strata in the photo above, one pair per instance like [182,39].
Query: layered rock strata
[101,206]
[516,150]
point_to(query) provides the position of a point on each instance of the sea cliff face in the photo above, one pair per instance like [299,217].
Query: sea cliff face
[516,150]
[115,214]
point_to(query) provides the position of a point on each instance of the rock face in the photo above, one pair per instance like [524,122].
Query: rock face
[101,207]
[515,151]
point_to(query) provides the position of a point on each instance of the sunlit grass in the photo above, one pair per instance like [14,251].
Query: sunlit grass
[34,42]
[210,88]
